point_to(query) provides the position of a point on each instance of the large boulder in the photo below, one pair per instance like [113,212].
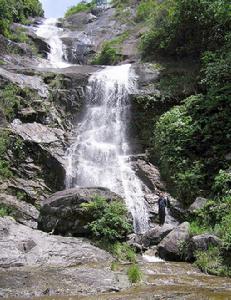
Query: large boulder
[173,246]
[156,234]
[23,212]
[34,263]
[62,212]
[197,204]
[201,242]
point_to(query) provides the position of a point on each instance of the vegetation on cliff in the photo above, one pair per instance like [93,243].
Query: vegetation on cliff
[17,11]
[193,138]
[80,7]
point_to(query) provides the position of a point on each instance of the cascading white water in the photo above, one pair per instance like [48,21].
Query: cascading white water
[49,31]
[100,154]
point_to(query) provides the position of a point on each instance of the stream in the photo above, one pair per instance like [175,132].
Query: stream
[164,281]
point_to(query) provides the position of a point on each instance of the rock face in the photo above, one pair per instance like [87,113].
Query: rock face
[42,264]
[172,247]
[33,82]
[47,146]
[23,212]
[85,33]
[62,212]
[149,174]
[23,246]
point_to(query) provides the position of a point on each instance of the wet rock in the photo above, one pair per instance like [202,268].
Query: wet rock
[156,234]
[197,204]
[62,212]
[21,211]
[41,45]
[149,174]
[172,247]
[23,246]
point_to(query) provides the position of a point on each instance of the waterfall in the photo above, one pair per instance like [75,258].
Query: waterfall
[100,154]
[49,31]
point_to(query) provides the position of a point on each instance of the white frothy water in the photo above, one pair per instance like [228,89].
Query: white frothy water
[49,31]
[151,259]
[100,154]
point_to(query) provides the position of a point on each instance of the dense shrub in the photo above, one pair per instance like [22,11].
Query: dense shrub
[209,261]
[109,220]
[107,56]
[17,11]
[187,27]
[145,10]
[173,135]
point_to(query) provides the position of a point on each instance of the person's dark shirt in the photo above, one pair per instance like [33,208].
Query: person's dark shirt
[162,202]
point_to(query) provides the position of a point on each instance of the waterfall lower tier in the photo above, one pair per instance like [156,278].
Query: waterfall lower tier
[100,155]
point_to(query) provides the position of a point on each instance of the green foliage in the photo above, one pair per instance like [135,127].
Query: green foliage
[197,229]
[211,262]
[109,220]
[186,27]
[134,273]
[194,138]
[225,231]
[215,217]
[4,210]
[173,134]
[80,7]
[222,183]
[145,10]
[9,100]
[107,56]
[114,266]
[12,98]
[4,164]
[19,35]
[17,11]
[124,252]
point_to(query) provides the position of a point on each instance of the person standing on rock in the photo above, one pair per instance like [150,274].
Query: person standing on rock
[162,203]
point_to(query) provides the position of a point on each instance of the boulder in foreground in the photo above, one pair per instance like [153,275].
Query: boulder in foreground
[62,212]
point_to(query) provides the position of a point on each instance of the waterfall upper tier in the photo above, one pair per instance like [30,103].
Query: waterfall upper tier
[49,31]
